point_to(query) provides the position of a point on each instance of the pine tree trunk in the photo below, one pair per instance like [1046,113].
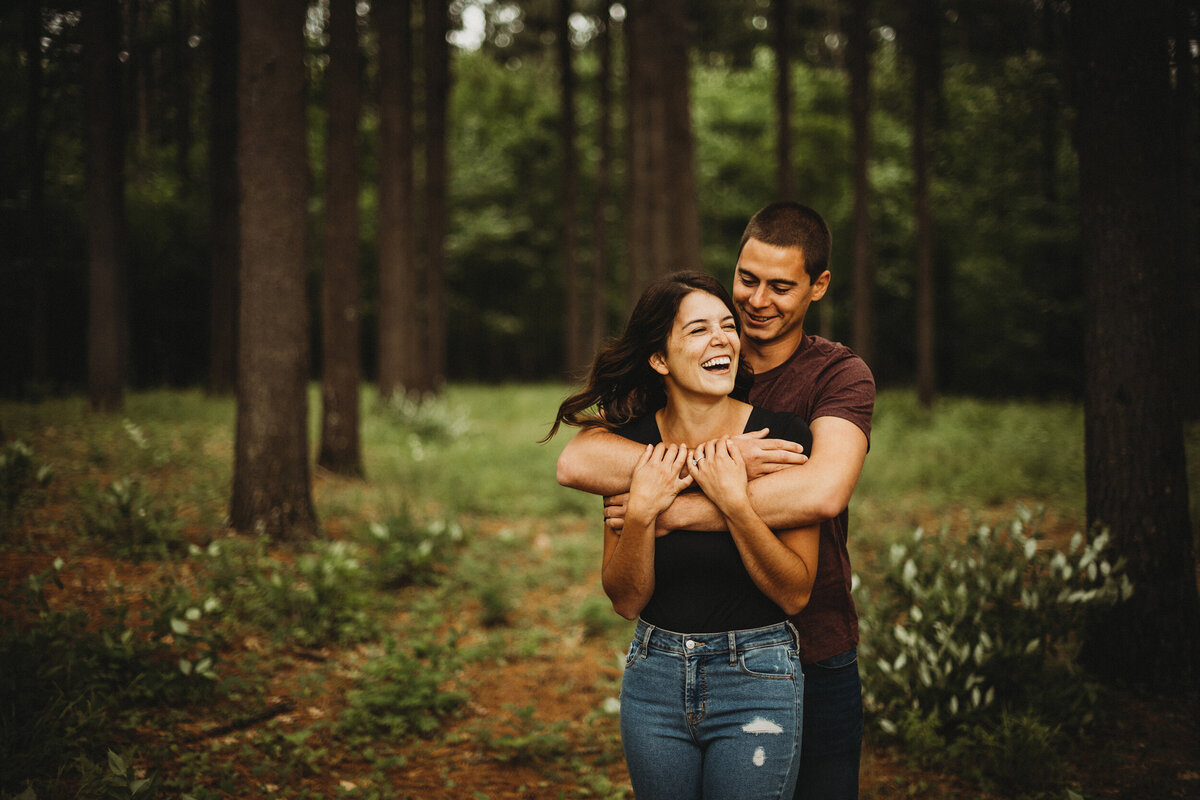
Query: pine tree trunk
[925,92]
[271,485]
[437,94]
[35,162]
[1134,456]
[223,190]
[858,60]
[107,292]
[339,451]
[573,355]
[600,269]
[400,350]
[784,182]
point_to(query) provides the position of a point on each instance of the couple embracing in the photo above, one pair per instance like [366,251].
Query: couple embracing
[727,443]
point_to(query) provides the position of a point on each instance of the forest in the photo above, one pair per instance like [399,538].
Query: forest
[292,289]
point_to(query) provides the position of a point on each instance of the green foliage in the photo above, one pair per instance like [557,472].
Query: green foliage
[530,742]
[129,523]
[67,679]
[400,692]
[972,452]
[973,637]
[20,472]
[318,597]
[404,552]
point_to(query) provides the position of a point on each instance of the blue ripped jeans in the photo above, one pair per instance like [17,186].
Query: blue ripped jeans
[712,715]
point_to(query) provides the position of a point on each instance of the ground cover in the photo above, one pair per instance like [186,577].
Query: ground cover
[449,639]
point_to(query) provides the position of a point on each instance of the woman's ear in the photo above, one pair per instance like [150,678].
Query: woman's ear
[658,364]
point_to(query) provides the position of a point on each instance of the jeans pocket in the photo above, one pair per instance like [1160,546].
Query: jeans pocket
[841,661]
[777,662]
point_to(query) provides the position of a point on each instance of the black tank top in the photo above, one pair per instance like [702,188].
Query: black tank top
[700,582]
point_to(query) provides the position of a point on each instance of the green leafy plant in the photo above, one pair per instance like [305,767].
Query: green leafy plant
[404,552]
[318,597]
[401,692]
[20,472]
[125,519]
[973,639]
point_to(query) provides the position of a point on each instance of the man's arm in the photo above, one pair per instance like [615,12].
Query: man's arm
[794,497]
[598,462]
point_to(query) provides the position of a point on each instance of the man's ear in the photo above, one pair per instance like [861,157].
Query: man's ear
[658,364]
[821,285]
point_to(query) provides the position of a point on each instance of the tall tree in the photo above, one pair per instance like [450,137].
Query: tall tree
[400,341]
[784,182]
[664,217]
[573,353]
[223,193]
[600,268]
[271,483]
[926,56]
[1134,455]
[35,164]
[339,451]
[437,96]
[107,291]
[858,63]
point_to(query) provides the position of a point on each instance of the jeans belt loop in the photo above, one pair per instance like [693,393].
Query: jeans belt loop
[646,640]
[732,649]
[795,634]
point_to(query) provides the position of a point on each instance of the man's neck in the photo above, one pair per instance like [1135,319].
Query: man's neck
[765,356]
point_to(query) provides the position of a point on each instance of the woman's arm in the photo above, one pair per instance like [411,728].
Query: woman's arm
[627,571]
[783,566]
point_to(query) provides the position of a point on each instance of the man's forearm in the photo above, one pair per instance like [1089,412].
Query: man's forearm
[598,462]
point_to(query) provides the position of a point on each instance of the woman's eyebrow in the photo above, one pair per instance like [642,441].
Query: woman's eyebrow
[725,318]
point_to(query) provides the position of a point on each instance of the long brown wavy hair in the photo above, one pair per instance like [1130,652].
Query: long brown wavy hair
[621,386]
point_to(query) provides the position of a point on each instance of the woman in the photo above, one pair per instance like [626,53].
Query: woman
[711,696]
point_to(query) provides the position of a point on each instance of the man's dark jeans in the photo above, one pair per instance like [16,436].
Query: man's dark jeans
[833,729]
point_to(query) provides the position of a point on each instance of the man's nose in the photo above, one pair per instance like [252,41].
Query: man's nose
[759,297]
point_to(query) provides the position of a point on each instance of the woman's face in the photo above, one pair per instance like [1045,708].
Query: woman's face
[701,355]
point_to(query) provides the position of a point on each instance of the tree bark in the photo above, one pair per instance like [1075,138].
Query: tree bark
[223,191]
[35,163]
[573,355]
[107,290]
[600,268]
[858,60]
[340,451]
[925,91]
[664,215]
[437,94]
[1134,455]
[785,183]
[271,485]
[400,349]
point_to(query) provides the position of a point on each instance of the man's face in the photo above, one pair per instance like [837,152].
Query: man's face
[772,292]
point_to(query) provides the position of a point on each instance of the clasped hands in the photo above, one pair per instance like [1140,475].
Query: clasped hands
[720,468]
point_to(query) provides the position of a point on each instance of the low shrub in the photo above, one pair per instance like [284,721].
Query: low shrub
[402,692]
[129,524]
[970,646]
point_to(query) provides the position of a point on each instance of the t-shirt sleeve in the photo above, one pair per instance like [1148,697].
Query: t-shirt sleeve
[849,394]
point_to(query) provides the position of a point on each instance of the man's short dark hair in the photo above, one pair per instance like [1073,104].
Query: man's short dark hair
[789,224]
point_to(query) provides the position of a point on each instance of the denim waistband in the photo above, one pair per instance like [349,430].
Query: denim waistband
[650,637]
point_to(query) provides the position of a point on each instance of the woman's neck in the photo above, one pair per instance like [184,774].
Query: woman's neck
[694,421]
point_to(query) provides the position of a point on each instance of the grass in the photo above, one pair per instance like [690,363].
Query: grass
[224,665]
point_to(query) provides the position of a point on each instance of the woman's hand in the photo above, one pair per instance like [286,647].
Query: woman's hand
[658,477]
[720,472]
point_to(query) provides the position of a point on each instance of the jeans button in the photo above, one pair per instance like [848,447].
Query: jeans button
[689,644]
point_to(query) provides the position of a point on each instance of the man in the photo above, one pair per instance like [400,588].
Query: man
[781,271]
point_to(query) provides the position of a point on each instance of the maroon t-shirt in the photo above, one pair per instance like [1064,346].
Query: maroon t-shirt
[824,379]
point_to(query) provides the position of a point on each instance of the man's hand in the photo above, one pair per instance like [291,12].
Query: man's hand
[764,456]
[614,511]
